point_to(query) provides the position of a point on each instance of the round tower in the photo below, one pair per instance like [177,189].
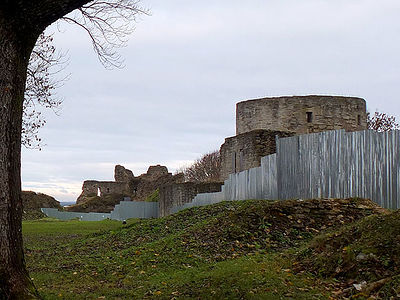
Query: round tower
[301,114]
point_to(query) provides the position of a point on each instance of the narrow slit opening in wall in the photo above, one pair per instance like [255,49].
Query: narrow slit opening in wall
[359,119]
[108,190]
[309,117]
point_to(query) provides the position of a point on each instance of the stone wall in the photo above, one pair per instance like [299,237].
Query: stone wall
[155,172]
[127,185]
[245,151]
[121,174]
[259,121]
[301,114]
[147,185]
[180,193]
[92,188]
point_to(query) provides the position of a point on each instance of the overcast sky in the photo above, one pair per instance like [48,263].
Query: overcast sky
[187,65]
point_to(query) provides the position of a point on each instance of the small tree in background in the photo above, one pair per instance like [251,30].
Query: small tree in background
[381,122]
[205,169]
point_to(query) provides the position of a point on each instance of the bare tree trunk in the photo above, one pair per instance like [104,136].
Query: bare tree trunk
[21,23]
[14,55]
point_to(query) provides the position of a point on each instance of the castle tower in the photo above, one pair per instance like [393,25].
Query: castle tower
[301,114]
[259,121]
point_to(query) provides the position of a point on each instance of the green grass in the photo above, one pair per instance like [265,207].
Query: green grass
[50,226]
[232,250]
[47,233]
[154,196]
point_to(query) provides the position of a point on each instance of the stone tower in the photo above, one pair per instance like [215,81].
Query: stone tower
[260,121]
[301,114]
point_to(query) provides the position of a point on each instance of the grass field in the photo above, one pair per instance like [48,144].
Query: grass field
[232,250]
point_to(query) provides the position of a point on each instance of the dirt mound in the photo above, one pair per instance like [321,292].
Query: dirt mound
[364,257]
[32,202]
[190,245]
[265,225]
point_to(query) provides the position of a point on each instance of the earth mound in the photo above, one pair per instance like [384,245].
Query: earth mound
[363,257]
[236,228]
[32,202]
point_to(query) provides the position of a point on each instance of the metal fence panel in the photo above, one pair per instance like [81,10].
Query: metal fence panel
[339,164]
[122,211]
[331,164]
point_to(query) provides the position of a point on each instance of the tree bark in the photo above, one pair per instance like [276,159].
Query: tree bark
[33,14]
[21,22]
[14,56]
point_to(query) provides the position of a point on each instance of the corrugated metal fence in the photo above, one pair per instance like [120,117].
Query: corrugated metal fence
[255,183]
[69,215]
[331,164]
[122,211]
[339,164]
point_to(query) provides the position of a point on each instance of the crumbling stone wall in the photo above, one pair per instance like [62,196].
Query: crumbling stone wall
[181,193]
[122,175]
[146,185]
[92,188]
[112,187]
[301,114]
[244,151]
[127,185]
[155,172]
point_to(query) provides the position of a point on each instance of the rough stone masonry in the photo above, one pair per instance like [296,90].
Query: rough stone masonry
[126,184]
[260,121]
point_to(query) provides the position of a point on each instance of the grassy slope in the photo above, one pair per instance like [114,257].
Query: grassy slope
[229,250]
[365,252]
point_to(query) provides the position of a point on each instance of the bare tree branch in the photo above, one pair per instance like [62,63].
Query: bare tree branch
[108,24]
[205,169]
[382,122]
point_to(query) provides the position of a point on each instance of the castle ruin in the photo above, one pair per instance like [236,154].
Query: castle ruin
[259,121]
[127,185]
